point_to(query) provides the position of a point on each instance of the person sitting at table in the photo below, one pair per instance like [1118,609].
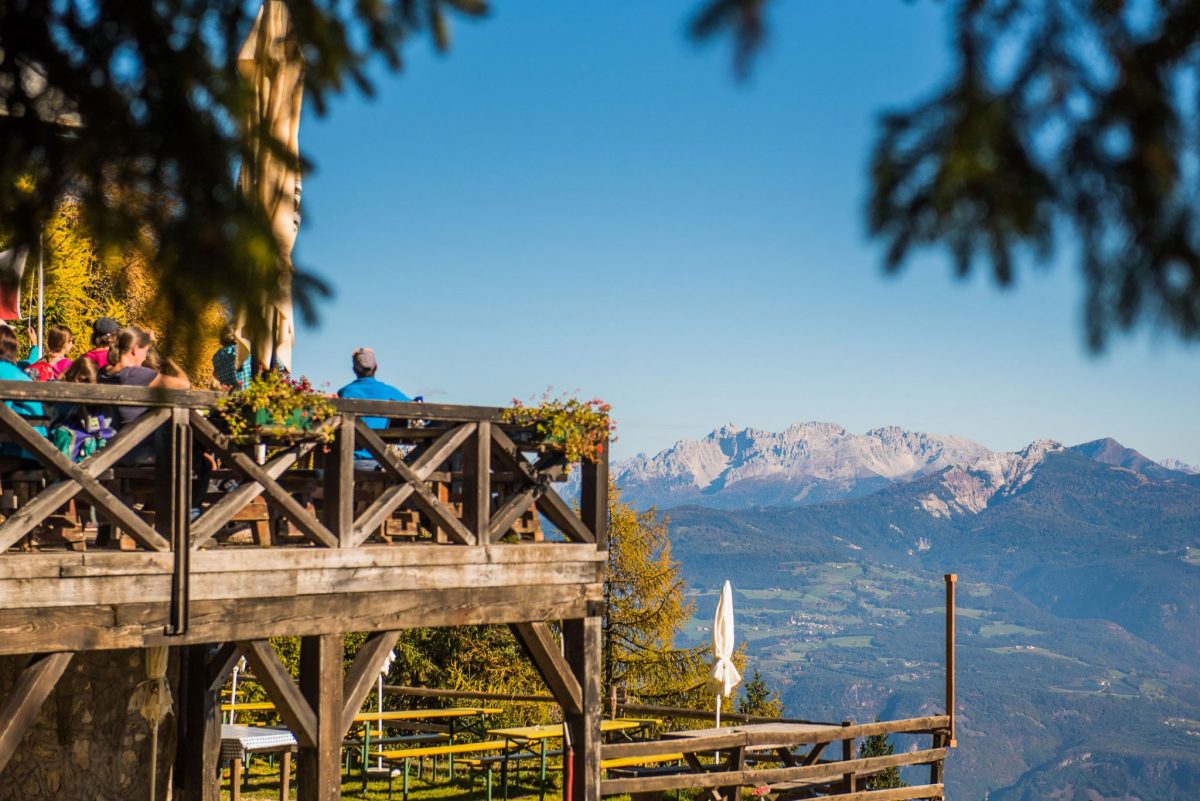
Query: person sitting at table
[126,367]
[77,429]
[11,371]
[366,386]
[54,362]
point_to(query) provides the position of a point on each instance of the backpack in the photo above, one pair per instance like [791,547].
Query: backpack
[41,370]
[83,434]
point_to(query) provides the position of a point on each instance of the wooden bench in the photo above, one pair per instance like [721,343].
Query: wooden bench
[487,766]
[406,755]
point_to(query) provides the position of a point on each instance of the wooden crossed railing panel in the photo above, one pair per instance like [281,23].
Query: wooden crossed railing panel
[497,482]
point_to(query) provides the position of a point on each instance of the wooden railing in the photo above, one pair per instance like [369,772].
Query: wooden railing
[745,749]
[447,475]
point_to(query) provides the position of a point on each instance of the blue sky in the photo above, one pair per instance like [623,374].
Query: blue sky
[577,196]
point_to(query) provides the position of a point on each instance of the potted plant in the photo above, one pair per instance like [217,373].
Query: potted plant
[274,406]
[579,430]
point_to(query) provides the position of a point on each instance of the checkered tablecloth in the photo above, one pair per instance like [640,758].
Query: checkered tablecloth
[237,741]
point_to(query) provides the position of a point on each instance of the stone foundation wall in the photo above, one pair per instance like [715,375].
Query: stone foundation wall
[88,743]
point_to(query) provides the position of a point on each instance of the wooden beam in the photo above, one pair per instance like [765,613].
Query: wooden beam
[202,674]
[951,580]
[593,497]
[581,641]
[291,508]
[26,698]
[413,482]
[508,514]
[173,507]
[832,772]
[338,508]
[818,733]
[318,763]
[290,702]
[364,671]
[549,502]
[106,502]
[216,516]
[544,652]
[477,482]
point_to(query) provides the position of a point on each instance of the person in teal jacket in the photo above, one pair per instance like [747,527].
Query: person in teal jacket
[10,370]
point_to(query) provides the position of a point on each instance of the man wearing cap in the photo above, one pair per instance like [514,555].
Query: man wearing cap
[104,334]
[367,387]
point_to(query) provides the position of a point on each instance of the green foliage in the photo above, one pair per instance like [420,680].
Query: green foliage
[1059,118]
[580,429]
[877,745]
[758,699]
[156,92]
[644,611]
[291,405]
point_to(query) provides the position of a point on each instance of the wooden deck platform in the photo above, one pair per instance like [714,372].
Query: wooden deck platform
[439,535]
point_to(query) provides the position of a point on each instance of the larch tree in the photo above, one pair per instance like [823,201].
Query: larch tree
[644,611]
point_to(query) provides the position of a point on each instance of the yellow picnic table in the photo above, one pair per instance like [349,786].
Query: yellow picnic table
[452,714]
[524,735]
[248,706]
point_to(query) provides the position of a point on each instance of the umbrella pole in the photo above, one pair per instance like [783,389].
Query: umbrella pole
[717,754]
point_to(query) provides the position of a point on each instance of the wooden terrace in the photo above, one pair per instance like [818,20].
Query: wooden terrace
[441,535]
[294,540]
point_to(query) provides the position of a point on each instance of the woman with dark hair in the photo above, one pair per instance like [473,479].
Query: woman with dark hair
[126,360]
[10,371]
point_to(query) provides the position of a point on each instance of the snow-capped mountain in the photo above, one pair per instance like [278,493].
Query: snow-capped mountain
[806,463]
[810,463]
[1180,467]
[969,488]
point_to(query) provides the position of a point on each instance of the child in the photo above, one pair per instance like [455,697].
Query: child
[76,429]
[104,335]
[59,342]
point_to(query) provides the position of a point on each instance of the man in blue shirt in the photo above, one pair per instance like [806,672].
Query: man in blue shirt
[367,387]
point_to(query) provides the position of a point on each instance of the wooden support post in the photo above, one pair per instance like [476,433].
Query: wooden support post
[173,505]
[581,641]
[477,482]
[937,767]
[951,580]
[25,701]
[593,497]
[546,656]
[319,766]
[197,757]
[339,483]
[848,779]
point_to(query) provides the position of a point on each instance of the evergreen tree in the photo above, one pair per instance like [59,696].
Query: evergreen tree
[644,612]
[758,699]
[875,746]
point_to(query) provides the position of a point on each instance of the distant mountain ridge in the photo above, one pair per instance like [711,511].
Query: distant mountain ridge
[815,462]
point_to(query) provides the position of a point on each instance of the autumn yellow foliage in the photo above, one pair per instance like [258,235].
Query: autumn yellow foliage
[82,284]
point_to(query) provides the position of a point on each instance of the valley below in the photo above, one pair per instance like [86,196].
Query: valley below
[1078,616]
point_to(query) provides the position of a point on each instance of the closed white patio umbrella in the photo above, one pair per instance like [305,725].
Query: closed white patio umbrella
[723,677]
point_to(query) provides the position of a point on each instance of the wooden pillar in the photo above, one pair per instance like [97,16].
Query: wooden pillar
[848,779]
[173,505]
[937,767]
[198,716]
[593,498]
[581,643]
[951,580]
[338,505]
[319,767]
[477,482]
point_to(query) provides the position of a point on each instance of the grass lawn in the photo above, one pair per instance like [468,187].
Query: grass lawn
[262,782]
